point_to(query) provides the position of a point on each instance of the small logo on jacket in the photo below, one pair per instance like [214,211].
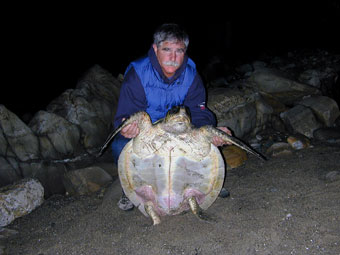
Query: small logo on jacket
[202,106]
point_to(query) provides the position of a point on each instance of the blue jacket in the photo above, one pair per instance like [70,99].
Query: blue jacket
[146,88]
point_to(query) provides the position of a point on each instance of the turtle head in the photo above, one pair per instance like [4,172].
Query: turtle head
[177,120]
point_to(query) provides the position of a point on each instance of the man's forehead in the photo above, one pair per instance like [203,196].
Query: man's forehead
[173,44]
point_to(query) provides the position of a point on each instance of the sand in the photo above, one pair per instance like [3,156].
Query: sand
[287,205]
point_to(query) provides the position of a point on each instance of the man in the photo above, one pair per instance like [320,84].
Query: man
[166,77]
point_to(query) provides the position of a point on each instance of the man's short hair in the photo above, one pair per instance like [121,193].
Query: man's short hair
[170,32]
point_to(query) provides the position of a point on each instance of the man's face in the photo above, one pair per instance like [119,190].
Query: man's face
[170,56]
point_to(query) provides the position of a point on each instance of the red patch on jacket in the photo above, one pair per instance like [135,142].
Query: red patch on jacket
[202,106]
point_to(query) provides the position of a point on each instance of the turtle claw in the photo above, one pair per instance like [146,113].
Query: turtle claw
[206,218]
[197,211]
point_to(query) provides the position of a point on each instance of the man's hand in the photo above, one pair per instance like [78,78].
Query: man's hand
[217,141]
[131,130]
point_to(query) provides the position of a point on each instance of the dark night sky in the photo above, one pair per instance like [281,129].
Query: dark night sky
[45,51]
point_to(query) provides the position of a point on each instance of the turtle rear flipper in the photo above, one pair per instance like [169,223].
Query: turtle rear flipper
[152,213]
[198,212]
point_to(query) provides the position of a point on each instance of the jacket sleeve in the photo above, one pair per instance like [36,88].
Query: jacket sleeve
[131,98]
[196,101]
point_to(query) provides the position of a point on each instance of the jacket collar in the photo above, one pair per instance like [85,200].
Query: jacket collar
[157,67]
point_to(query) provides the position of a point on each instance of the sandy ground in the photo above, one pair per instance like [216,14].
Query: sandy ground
[287,205]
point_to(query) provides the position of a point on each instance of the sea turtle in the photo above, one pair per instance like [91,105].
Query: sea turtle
[172,166]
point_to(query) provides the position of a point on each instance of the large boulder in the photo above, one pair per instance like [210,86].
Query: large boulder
[330,134]
[324,77]
[234,109]
[86,180]
[17,139]
[324,108]
[91,106]
[300,119]
[19,199]
[243,110]
[264,113]
[280,86]
[58,137]
[73,107]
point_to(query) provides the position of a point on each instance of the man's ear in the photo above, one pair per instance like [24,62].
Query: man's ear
[155,48]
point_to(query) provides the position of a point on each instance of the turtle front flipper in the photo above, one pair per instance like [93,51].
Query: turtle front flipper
[211,131]
[152,213]
[143,122]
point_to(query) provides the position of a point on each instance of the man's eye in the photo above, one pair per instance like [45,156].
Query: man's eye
[166,49]
[180,51]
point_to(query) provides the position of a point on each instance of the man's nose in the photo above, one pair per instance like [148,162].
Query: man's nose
[173,56]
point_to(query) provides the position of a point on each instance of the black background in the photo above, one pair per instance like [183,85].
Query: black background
[45,49]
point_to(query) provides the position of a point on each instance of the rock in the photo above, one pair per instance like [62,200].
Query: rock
[58,137]
[280,86]
[311,77]
[241,120]
[323,77]
[279,149]
[17,139]
[337,122]
[78,111]
[327,133]
[234,109]
[86,181]
[224,193]
[95,132]
[257,65]
[110,168]
[277,123]
[276,105]
[234,156]
[98,83]
[8,172]
[245,68]
[324,108]
[263,114]
[332,176]
[19,199]
[91,106]
[300,119]
[298,142]
[48,173]
[5,234]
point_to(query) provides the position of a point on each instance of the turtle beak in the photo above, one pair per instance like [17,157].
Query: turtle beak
[177,120]
[174,110]
[179,114]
